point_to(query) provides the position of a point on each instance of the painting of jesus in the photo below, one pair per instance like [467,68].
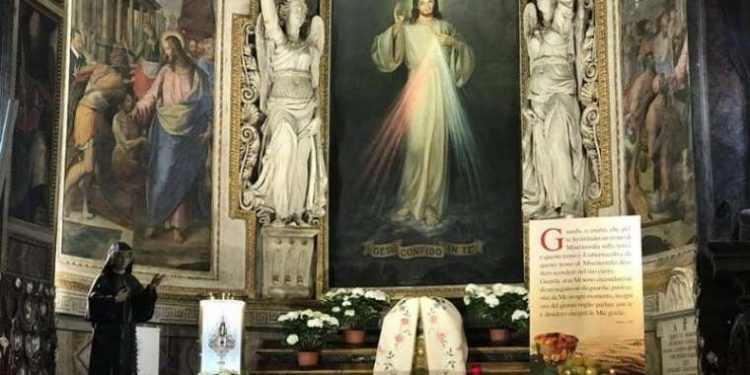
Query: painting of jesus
[428,114]
[138,164]
[425,159]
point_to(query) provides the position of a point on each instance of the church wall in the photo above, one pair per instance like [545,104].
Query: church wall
[236,266]
[724,189]
[179,352]
[27,323]
[726,39]
[668,240]
[27,296]
[28,246]
[179,348]
[27,293]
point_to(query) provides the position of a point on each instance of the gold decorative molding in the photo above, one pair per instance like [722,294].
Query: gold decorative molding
[604,130]
[81,284]
[75,274]
[242,99]
[167,312]
[55,12]
[257,314]
[242,25]
[526,254]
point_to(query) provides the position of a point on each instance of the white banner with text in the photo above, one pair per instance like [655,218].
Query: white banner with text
[586,296]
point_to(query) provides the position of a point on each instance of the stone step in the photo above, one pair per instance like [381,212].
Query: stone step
[488,368]
[275,354]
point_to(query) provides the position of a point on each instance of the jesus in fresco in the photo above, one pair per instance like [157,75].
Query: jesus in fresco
[427,118]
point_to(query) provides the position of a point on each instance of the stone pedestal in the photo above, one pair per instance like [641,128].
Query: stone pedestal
[288,255]
[676,325]
[679,342]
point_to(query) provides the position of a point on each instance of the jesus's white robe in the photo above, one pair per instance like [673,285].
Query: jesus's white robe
[428,111]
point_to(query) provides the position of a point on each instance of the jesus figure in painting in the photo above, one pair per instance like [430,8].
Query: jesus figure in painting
[427,118]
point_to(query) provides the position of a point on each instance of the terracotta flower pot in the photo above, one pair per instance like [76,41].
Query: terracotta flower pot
[499,336]
[354,336]
[307,359]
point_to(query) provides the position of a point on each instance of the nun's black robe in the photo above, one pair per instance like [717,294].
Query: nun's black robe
[113,347]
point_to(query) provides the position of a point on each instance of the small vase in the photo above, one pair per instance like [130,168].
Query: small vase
[499,336]
[354,336]
[307,359]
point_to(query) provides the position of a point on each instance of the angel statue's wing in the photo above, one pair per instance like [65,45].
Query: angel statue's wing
[530,21]
[264,64]
[579,32]
[318,38]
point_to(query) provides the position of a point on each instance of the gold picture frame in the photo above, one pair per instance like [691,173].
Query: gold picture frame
[181,288]
[47,110]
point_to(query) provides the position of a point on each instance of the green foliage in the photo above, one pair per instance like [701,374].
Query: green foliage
[356,308]
[502,306]
[308,330]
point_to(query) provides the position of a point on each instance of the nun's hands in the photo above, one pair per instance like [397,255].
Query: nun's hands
[157,280]
[122,295]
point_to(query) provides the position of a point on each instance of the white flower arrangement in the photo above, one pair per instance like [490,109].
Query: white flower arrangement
[308,330]
[222,372]
[356,307]
[500,305]
[520,320]
[292,339]
[519,314]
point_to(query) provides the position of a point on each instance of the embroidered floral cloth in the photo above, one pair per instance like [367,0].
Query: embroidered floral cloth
[445,342]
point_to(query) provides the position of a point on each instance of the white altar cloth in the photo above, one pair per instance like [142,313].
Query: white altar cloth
[442,326]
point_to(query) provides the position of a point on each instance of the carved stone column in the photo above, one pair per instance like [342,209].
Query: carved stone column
[79,12]
[287,259]
[106,24]
[131,37]
[118,21]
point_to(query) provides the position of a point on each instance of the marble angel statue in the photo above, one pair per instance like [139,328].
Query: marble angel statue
[553,163]
[292,179]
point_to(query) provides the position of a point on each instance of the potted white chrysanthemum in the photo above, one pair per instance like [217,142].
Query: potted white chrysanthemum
[307,331]
[503,307]
[356,308]
[222,372]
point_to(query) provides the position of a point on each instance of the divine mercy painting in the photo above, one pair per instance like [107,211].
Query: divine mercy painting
[140,124]
[425,143]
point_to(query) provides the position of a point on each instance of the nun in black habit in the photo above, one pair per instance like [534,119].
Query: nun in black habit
[116,303]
